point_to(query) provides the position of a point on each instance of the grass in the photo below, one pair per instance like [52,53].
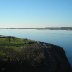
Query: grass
[19,50]
[13,48]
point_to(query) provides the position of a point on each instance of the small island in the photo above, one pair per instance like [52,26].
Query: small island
[23,55]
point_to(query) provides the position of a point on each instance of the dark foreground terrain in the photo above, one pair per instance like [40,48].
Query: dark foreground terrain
[24,55]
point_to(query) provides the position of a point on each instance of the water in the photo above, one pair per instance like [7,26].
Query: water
[57,37]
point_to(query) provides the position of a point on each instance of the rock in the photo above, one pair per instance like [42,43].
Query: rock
[37,57]
[48,58]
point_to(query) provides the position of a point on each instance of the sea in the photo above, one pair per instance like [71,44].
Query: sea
[62,38]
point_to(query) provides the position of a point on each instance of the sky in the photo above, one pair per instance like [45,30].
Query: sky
[35,13]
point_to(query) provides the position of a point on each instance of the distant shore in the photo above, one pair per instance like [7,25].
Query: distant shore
[45,28]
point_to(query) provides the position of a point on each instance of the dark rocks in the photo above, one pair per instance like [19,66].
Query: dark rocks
[2,36]
[39,57]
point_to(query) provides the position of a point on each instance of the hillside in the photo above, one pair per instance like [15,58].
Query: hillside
[19,55]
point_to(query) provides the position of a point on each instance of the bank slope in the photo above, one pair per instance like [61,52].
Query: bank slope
[17,54]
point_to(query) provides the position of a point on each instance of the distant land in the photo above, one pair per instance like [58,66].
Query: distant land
[45,28]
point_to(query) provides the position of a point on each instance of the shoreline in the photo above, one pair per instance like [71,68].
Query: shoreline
[46,28]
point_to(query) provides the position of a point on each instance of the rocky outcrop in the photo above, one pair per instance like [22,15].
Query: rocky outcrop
[47,58]
[37,57]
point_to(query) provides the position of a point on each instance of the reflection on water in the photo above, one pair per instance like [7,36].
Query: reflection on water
[61,38]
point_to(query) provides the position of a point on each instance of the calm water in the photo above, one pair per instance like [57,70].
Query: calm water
[58,37]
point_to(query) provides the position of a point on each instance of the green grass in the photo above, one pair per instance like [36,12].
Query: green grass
[2,53]
[15,42]
[14,47]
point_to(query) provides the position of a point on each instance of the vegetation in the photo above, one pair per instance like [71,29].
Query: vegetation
[23,55]
[12,48]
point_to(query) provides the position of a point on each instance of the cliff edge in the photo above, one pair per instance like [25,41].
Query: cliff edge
[23,55]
